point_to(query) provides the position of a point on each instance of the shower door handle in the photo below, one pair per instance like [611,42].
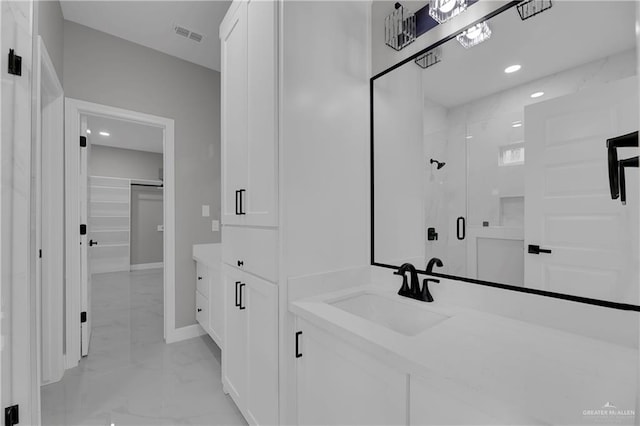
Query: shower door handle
[535,249]
[461,231]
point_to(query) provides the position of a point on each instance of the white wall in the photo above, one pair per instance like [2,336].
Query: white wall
[51,29]
[124,163]
[108,70]
[325,136]
[399,168]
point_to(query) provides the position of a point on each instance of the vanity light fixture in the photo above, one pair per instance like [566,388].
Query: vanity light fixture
[512,68]
[537,94]
[104,133]
[443,10]
[516,124]
[474,35]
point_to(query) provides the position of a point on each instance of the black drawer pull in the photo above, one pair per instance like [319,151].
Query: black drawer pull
[199,278]
[241,210]
[535,249]
[298,353]
[241,306]
[461,230]
[237,303]
[240,263]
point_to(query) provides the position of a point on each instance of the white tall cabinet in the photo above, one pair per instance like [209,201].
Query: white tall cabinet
[249,208]
[295,87]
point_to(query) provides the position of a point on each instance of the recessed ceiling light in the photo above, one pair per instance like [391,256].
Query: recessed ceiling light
[537,94]
[516,124]
[104,133]
[512,68]
[88,131]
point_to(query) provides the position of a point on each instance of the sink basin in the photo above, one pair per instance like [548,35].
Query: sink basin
[400,317]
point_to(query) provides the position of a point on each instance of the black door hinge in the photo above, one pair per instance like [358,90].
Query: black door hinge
[83,317]
[40,253]
[15,63]
[83,229]
[83,141]
[11,416]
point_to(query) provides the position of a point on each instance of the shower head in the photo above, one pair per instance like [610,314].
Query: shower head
[440,164]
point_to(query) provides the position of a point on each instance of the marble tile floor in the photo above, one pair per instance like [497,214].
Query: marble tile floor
[131,377]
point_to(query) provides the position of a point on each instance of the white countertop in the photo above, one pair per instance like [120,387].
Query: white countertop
[209,254]
[515,370]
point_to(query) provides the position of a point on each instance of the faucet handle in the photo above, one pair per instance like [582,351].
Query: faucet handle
[426,294]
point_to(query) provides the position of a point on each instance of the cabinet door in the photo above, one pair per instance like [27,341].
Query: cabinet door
[262,154]
[338,384]
[233,35]
[202,279]
[202,311]
[262,311]
[234,358]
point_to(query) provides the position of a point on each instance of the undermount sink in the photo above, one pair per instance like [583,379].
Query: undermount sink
[400,317]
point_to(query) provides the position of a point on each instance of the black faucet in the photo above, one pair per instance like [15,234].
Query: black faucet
[413,291]
[434,261]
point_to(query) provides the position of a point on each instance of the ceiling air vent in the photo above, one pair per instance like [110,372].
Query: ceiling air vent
[187,33]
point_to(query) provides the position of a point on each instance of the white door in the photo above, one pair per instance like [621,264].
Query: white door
[85,267]
[261,300]
[18,347]
[568,208]
[233,35]
[262,154]
[234,361]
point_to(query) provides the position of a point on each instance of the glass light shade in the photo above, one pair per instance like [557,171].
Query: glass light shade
[443,10]
[474,35]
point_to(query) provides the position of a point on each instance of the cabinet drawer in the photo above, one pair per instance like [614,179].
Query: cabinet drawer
[202,279]
[202,311]
[252,250]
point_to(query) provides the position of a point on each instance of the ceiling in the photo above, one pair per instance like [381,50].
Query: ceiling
[124,134]
[569,34]
[151,24]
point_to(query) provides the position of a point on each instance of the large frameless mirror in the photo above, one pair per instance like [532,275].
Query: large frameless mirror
[509,153]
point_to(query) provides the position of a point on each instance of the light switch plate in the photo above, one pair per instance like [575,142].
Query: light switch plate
[215,226]
[205,210]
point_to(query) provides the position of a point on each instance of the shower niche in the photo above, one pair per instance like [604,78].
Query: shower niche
[500,149]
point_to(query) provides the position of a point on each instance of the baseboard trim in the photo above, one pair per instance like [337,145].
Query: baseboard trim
[143,266]
[184,333]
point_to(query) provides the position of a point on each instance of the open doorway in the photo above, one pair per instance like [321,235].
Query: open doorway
[120,213]
[125,228]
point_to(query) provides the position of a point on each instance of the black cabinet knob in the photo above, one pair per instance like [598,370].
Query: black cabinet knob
[199,278]
[240,262]
[199,310]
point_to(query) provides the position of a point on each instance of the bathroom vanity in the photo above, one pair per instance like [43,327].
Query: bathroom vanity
[209,290]
[369,356]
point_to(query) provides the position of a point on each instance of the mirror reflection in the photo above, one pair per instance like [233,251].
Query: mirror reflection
[490,153]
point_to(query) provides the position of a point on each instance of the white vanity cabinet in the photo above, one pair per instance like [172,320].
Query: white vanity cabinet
[249,114]
[210,299]
[250,358]
[339,384]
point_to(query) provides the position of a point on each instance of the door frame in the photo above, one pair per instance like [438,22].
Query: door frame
[74,108]
[49,139]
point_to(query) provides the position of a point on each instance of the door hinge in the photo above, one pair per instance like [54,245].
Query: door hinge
[83,229]
[83,141]
[11,415]
[83,317]
[40,253]
[15,63]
